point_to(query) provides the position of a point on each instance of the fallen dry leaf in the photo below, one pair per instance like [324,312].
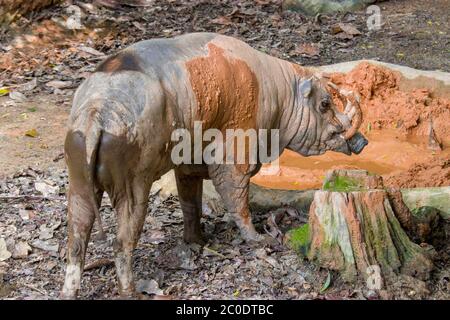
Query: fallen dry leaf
[31,133]
[307,49]
[4,91]
[225,21]
[21,250]
[347,28]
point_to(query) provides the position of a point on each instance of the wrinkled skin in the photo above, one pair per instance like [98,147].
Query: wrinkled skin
[123,115]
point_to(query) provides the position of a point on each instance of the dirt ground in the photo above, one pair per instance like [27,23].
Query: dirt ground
[37,52]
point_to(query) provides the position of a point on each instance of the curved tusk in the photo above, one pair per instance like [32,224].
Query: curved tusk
[352,108]
[336,90]
[356,117]
[334,86]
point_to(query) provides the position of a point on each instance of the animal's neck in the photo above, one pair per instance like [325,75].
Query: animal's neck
[292,113]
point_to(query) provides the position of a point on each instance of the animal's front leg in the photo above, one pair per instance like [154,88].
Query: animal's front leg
[232,183]
[190,194]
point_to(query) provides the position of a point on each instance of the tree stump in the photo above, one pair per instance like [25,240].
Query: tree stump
[354,229]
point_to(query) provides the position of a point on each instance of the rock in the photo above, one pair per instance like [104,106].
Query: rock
[264,199]
[51,246]
[24,214]
[166,186]
[438,198]
[45,189]
[17,96]
[57,84]
[45,233]
[148,287]
[4,253]
[313,7]
[21,250]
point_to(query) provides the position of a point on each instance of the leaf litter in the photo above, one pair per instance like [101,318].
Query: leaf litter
[33,248]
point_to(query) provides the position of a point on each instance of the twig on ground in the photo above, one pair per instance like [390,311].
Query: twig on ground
[31,197]
[214,252]
[35,289]
[98,264]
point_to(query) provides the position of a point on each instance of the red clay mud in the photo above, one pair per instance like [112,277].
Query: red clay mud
[427,174]
[385,105]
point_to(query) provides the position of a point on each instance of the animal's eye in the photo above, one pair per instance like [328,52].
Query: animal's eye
[324,105]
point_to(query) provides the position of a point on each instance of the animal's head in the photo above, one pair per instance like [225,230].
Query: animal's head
[321,126]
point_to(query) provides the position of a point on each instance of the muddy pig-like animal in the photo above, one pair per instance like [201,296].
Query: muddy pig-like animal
[123,116]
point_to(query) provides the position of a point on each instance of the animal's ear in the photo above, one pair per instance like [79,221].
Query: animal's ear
[305,87]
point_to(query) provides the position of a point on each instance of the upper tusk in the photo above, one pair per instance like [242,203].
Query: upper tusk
[331,84]
[352,109]
[355,115]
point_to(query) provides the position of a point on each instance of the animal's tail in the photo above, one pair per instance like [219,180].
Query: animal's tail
[81,148]
[92,140]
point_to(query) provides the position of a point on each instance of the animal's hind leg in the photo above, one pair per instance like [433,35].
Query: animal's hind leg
[101,235]
[131,206]
[190,190]
[81,216]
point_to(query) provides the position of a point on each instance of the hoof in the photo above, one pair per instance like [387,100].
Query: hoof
[194,238]
[67,295]
[128,295]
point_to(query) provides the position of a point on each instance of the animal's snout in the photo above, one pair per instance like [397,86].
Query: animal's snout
[357,143]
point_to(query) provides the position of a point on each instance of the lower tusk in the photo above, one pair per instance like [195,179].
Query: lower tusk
[348,107]
[351,113]
[344,120]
